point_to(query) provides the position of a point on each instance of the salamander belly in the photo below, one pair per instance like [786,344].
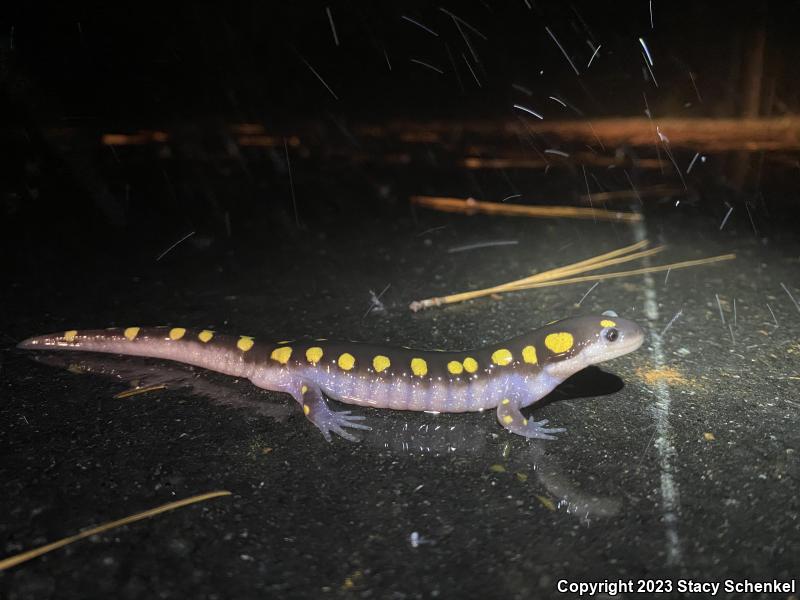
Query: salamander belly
[406,393]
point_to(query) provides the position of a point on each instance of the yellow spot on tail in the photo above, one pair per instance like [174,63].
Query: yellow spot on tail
[281,354]
[176,333]
[559,342]
[506,401]
[455,367]
[419,367]
[304,389]
[313,354]
[69,336]
[470,364]
[205,336]
[508,419]
[245,343]
[607,323]
[346,361]
[131,333]
[502,357]
[306,409]
[529,355]
[380,363]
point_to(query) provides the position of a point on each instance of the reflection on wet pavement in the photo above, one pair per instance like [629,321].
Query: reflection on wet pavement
[471,435]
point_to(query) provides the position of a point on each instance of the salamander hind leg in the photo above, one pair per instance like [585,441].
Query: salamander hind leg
[326,420]
[512,419]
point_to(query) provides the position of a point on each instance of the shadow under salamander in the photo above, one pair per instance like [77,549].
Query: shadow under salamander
[587,384]
[407,433]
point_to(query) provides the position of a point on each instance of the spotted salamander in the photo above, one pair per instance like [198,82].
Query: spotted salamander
[507,376]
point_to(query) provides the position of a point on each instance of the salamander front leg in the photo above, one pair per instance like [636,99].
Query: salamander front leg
[327,421]
[511,418]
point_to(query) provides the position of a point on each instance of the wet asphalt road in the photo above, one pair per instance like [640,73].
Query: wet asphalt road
[679,461]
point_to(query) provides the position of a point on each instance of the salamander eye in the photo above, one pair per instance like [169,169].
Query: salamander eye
[611,334]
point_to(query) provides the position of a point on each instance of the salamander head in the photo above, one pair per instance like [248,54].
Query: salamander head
[579,342]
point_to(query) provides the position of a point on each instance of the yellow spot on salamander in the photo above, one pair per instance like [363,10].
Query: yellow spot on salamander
[69,336]
[470,364]
[455,367]
[502,357]
[306,409]
[245,343]
[205,336]
[131,333]
[559,342]
[380,363]
[304,389]
[506,401]
[176,333]
[419,367]
[529,355]
[346,361]
[607,323]
[281,354]
[508,419]
[313,354]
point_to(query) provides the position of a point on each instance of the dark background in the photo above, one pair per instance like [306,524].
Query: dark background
[181,164]
[71,73]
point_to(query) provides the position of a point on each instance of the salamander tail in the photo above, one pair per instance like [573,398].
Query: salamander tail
[207,349]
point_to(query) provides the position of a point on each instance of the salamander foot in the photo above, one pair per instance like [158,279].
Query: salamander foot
[537,430]
[335,422]
[326,420]
[510,417]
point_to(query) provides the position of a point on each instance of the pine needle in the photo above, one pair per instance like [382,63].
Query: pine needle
[565,275]
[13,561]
[140,390]
[472,206]
[673,266]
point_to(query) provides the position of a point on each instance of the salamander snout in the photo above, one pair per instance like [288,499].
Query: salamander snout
[613,337]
